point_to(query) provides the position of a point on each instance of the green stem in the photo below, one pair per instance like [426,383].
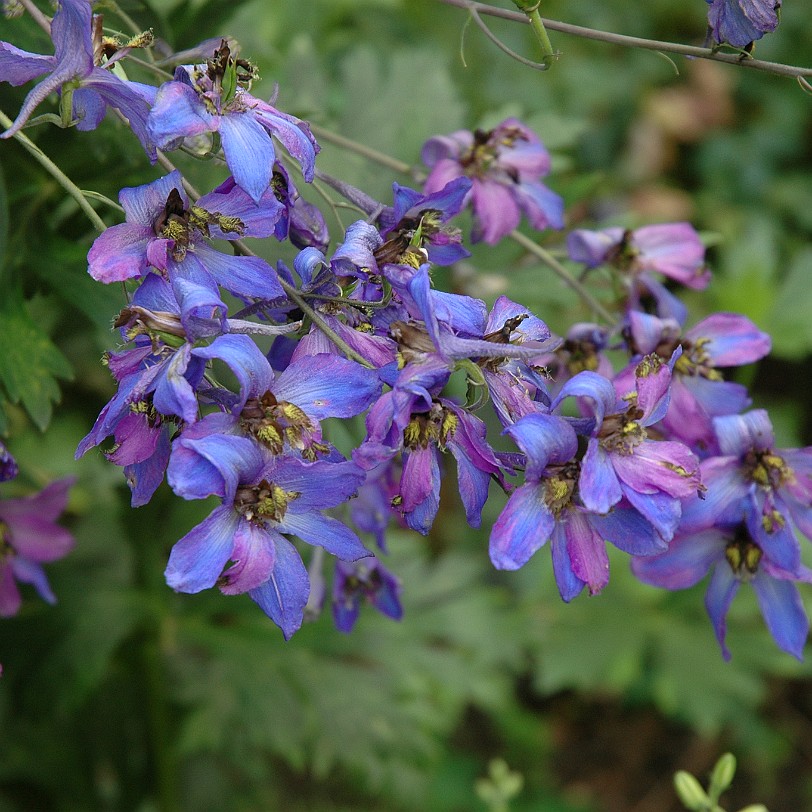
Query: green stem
[57,174]
[636,42]
[563,274]
[362,150]
[537,24]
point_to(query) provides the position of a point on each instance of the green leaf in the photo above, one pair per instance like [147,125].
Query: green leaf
[29,362]
[3,224]
[789,323]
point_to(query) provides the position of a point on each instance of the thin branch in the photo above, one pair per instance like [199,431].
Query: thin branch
[362,150]
[637,42]
[41,20]
[57,174]
[563,274]
[541,66]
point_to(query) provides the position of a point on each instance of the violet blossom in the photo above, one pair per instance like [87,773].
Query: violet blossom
[740,22]
[367,580]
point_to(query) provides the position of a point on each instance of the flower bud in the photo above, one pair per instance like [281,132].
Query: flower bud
[690,791]
[722,775]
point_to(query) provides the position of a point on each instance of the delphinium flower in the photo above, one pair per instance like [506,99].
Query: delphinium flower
[506,165]
[740,22]
[547,507]
[163,230]
[582,349]
[736,558]
[8,465]
[671,249]
[212,97]
[365,580]
[77,68]
[769,489]
[621,461]
[699,392]
[264,499]
[29,538]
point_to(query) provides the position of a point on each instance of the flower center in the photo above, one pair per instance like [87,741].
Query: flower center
[559,487]
[274,423]
[435,427]
[743,555]
[767,469]
[695,360]
[622,433]
[263,502]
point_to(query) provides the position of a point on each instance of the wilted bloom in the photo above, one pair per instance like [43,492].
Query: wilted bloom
[212,98]
[671,249]
[699,392]
[30,538]
[76,67]
[547,507]
[505,165]
[741,22]
[366,579]
[769,489]
[735,558]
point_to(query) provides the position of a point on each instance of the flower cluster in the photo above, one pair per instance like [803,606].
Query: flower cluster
[626,432]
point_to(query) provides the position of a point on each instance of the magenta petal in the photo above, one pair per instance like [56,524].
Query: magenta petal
[253,555]
[495,209]
[734,339]
[39,539]
[659,465]
[10,598]
[587,553]
[48,504]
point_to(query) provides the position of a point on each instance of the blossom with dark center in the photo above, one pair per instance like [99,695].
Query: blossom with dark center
[212,97]
[547,507]
[671,249]
[8,465]
[417,226]
[505,165]
[79,66]
[412,420]
[741,22]
[368,580]
[240,547]
[769,489]
[29,538]
[581,350]
[621,461]
[698,390]
[736,558]
[165,231]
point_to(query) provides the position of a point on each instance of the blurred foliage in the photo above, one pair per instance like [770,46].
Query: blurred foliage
[126,696]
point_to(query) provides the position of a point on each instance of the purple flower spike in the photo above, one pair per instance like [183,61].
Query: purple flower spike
[741,22]
[29,538]
[212,98]
[735,558]
[505,165]
[366,579]
[73,66]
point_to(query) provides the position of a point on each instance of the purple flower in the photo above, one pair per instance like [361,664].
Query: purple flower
[163,230]
[769,489]
[212,98]
[263,497]
[671,249]
[73,68]
[29,538]
[735,559]
[698,391]
[547,507]
[505,165]
[621,461]
[8,465]
[416,226]
[741,22]
[365,579]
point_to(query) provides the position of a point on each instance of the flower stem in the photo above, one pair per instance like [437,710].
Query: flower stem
[39,18]
[563,274]
[362,150]
[636,42]
[57,174]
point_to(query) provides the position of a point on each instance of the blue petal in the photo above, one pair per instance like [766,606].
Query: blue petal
[783,612]
[244,276]
[178,113]
[523,527]
[249,152]
[598,484]
[197,560]
[326,532]
[721,591]
[685,563]
[246,361]
[544,438]
[284,595]
[320,485]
